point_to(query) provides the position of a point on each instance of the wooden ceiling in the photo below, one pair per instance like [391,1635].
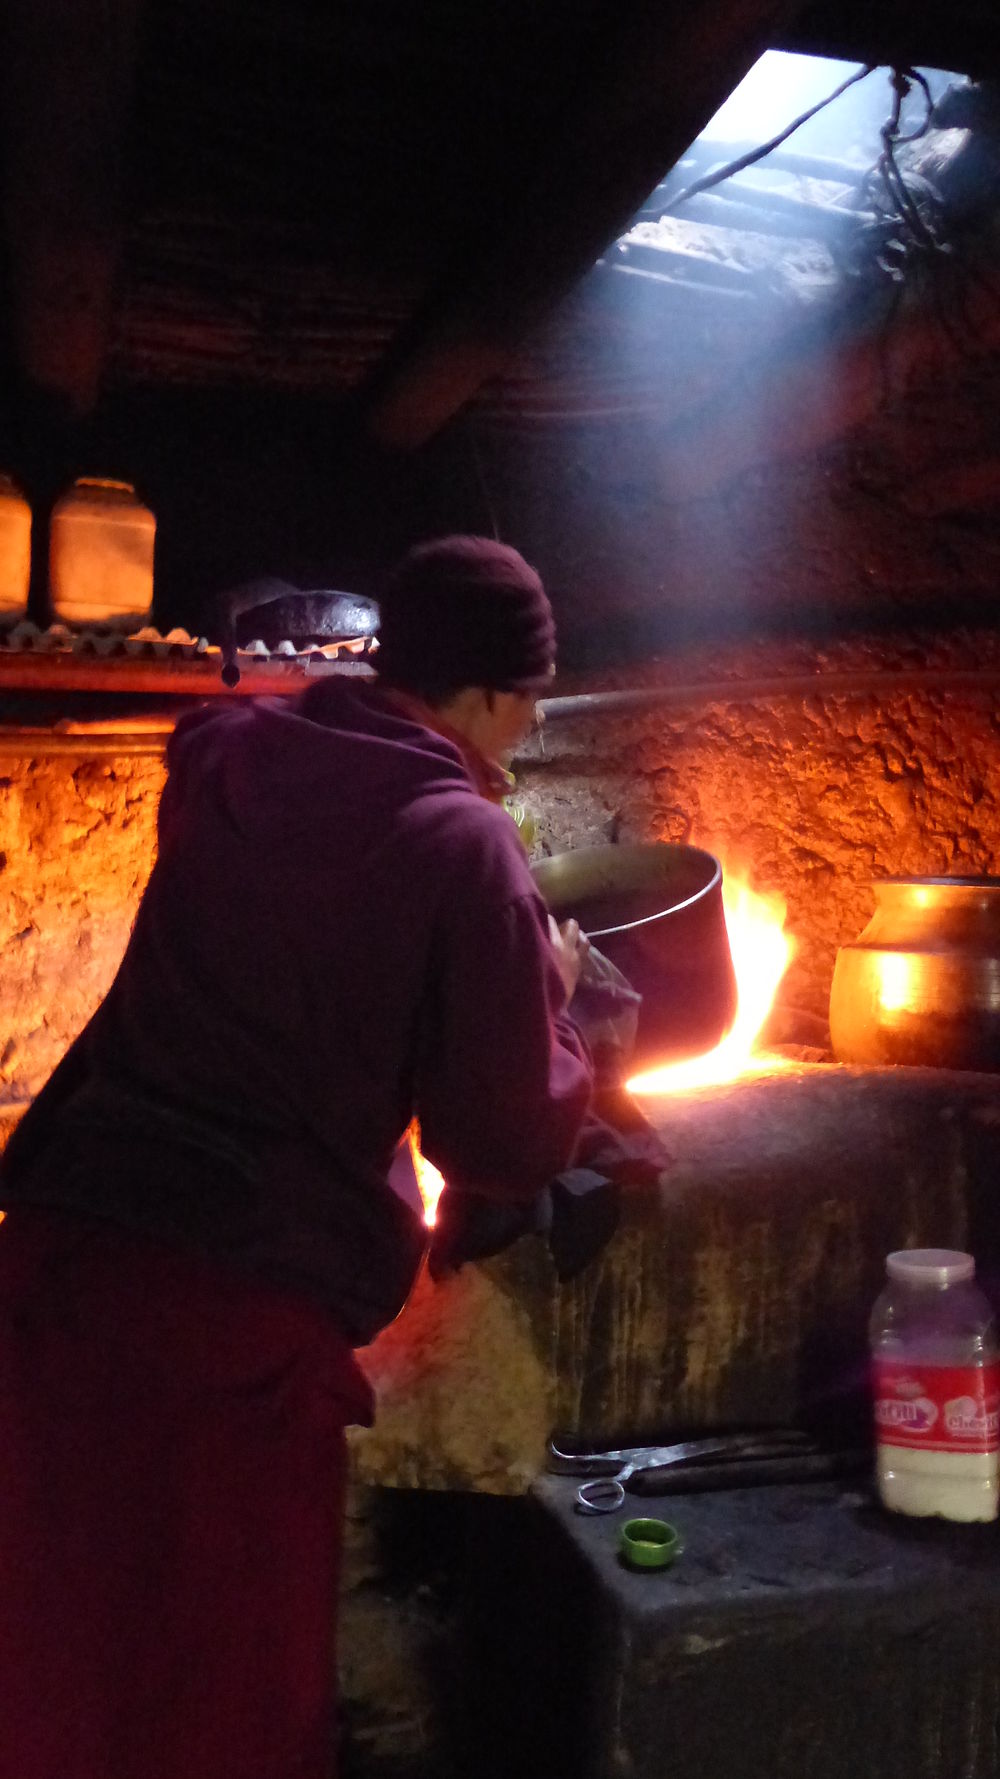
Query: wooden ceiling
[375,201]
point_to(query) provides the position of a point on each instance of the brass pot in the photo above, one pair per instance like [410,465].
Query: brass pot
[656,911]
[922,983]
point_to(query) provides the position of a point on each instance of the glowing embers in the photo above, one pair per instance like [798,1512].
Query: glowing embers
[762,951]
[429,1180]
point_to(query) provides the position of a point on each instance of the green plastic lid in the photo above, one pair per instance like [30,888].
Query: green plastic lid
[649,1544]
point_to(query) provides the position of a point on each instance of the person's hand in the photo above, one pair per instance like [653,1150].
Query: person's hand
[571,948]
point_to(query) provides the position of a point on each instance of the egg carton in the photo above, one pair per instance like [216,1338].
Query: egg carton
[26,637]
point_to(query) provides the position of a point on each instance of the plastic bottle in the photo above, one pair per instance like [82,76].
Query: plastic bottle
[101,555]
[936,1387]
[15,552]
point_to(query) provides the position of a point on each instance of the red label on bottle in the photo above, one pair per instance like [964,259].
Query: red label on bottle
[937,1408]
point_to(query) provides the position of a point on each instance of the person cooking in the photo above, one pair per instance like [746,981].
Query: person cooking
[340,933]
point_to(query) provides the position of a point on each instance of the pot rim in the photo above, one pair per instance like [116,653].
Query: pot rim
[709,888]
[629,926]
[648,920]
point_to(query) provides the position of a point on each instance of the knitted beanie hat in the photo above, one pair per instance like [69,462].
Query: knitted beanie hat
[465,611]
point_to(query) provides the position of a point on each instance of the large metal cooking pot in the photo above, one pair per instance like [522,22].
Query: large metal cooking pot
[656,911]
[922,983]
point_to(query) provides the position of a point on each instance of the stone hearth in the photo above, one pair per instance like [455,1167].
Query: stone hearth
[738,1291]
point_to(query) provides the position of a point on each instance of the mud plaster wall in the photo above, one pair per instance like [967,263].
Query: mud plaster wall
[818,793]
[823,487]
[77,841]
[815,793]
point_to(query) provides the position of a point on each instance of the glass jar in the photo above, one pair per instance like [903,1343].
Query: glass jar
[936,1388]
[101,555]
[15,552]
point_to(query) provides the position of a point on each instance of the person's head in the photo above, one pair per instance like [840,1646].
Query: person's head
[466,626]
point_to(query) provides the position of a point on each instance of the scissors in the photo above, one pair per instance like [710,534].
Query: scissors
[611,1471]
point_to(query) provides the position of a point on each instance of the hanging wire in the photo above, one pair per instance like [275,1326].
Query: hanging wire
[757,154]
[903,206]
[915,211]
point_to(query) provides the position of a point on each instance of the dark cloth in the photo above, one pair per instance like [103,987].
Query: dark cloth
[466,611]
[172,1468]
[577,1213]
[339,934]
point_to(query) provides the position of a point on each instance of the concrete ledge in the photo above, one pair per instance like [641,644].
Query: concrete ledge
[802,1631]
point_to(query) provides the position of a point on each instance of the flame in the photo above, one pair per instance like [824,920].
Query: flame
[761,951]
[430,1182]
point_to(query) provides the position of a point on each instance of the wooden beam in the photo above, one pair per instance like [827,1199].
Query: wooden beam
[65,91]
[658,76]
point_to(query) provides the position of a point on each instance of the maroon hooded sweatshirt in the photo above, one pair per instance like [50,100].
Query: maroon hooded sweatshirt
[339,933]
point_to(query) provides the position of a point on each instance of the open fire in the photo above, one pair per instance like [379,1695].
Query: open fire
[761,951]
[429,1180]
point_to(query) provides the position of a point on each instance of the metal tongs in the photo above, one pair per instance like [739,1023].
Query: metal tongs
[772,1455]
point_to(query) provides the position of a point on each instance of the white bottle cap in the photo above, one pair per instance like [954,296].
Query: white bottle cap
[930,1266]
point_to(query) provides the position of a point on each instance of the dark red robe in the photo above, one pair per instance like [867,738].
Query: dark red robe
[339,933]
